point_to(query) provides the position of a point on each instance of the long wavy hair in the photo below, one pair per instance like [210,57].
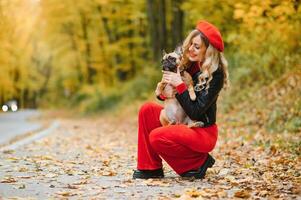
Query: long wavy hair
[213,60]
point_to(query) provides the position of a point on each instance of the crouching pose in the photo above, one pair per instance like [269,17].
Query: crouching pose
[186,149]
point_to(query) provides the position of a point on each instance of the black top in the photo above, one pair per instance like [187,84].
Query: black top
[204,107]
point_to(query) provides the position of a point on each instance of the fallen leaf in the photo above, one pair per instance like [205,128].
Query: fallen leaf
[21,186]
[108,173]
[72,186]
[66,193]
[8,180]
[25,177]
[222,194]
[70,172]
[193,193]
[47,158]
[82,182]
[296,190]
[273,150]
[177,195]
[263,193]
[106,163]
[13,159]
[9,151]
[242,194]
[23,169]
[51,175]
[155,182]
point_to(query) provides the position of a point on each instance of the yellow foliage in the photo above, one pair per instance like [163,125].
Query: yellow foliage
[52,46]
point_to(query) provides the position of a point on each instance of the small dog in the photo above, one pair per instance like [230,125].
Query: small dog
[173,112]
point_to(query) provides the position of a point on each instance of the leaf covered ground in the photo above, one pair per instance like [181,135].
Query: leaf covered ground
[94,157]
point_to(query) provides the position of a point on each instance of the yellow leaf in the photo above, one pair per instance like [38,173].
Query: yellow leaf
[65,193]
[193,193]
[51,175]
[238,14]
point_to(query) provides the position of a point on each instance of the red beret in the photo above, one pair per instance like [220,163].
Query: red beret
[212,33]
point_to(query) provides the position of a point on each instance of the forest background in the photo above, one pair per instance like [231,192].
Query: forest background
[97,55]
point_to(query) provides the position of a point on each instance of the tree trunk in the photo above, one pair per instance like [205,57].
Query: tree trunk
[152,28]
[177,23]
[105,73]
[69,30]
[156,12]
[47,71]
[90,70]
[162,27]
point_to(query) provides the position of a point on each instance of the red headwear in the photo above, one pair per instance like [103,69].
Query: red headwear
[212,33]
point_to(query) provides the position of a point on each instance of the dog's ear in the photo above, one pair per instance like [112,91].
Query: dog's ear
[164,52]
[178,50]
[181,68]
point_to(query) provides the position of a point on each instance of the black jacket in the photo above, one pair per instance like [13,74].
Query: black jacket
[204,107]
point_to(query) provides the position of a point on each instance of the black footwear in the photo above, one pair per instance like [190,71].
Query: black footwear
[201,172]
[146,174]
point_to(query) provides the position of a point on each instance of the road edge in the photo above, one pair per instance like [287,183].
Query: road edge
[32,138]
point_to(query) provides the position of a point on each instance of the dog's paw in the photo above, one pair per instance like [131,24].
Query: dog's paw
[196,124]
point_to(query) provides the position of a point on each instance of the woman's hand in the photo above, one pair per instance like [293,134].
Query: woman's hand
[172,78]
[159,89]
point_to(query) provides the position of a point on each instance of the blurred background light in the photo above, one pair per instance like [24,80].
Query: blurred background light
[14,108]
[5,108]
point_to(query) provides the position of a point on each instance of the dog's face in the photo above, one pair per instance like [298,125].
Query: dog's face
[170,61]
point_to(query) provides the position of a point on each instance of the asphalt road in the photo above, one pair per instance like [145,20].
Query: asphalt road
[13,124]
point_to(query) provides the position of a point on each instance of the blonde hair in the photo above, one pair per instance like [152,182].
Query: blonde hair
[213,60]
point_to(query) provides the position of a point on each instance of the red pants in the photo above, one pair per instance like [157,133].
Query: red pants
[181,147]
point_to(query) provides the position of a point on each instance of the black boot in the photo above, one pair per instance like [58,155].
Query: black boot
[146,174]
[201,172]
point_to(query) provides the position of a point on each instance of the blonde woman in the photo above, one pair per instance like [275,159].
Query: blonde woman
[185,149]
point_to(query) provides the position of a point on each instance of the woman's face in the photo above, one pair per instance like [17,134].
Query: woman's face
[197,50]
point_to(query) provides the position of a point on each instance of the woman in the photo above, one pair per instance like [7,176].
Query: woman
[186,149]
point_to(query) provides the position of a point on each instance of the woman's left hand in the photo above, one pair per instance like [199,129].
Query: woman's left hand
[172,78]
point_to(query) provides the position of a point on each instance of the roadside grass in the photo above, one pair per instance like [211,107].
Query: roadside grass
[272,111]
